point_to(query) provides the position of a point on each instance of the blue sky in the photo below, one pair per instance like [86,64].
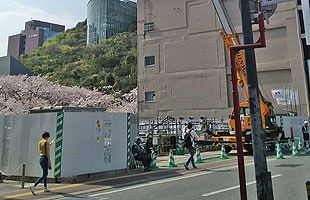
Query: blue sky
[14,13]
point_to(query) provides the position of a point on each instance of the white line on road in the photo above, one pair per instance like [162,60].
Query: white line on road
[234,187]
[153,183]
[170,179]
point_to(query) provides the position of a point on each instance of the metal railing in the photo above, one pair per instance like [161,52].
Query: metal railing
[22,178]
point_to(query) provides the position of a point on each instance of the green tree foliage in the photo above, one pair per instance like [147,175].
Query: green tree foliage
[66,59]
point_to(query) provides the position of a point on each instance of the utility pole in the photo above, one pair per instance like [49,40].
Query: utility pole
[263,177]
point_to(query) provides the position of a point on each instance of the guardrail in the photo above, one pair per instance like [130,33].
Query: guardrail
[22,178]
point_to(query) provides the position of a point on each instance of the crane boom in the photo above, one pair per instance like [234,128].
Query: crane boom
[231,39]
[271,130]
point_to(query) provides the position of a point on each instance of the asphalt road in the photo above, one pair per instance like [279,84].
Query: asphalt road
[289,177]
[215,179]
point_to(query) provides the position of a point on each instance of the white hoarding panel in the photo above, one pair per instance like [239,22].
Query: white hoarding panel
[292,123]
[23,133]
[93,142]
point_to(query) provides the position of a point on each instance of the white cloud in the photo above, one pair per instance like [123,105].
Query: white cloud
[13,16]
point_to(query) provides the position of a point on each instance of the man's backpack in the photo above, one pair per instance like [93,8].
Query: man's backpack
[187,142]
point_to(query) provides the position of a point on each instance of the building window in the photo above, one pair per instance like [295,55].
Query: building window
[149,61]
[149,27]
[150,96]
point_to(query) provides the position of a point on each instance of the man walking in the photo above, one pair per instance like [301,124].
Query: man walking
[189,138]
[305,132]
[45,162]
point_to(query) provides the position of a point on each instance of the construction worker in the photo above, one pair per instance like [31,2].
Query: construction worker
[305,132]
[45,161]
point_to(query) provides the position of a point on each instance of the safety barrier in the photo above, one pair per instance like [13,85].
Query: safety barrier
[22,178]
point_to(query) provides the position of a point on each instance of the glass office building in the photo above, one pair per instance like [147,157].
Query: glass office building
[105,18]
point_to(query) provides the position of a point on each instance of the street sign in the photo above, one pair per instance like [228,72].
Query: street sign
[268,9]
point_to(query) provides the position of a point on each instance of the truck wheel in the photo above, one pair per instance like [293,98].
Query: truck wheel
[249,148]
[227,148]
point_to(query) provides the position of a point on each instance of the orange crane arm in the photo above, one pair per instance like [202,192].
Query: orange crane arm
[231,40]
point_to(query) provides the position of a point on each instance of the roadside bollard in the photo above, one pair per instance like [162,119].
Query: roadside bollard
[279,152]
[308,189]
[153,163]
[300,144]
[23,175]
[180,149]
[294,150]
[307,147]
[290,144]
[198,156]
[171,162]
[223,152]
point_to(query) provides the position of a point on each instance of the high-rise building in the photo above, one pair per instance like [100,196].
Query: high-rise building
[183,67]
[105,18]
[34,35]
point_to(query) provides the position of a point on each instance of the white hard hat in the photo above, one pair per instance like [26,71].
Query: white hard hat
[305,122]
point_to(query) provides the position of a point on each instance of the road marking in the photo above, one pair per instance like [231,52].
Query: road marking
[77,185]
[229,166]
[234,187]
[132,183]
[185,176]
[153,183]
[78,193]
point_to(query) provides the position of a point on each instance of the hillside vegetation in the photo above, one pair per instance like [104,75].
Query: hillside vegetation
[66,60]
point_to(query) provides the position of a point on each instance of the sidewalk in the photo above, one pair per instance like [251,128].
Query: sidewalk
[162,162]
[9,186]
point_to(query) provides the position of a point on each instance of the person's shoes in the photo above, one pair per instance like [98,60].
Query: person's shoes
[46,190]
[186,167]
[195,167]
[32,189]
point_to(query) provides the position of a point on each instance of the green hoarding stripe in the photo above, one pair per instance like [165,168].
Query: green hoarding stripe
[57,165]
[58,144]
[128,138]
[59,139]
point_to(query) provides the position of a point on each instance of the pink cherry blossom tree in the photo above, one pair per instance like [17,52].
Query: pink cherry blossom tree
[18,94]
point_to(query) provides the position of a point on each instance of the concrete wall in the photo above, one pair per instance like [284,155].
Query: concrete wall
[191,75]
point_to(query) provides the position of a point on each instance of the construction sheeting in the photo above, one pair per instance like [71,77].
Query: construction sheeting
[84,142]
[292,125]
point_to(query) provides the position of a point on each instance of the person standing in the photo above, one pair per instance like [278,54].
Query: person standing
[149,146]
[305,132]
[189,138]
[45,162]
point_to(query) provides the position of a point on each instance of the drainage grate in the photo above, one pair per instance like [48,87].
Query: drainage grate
[289,165]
